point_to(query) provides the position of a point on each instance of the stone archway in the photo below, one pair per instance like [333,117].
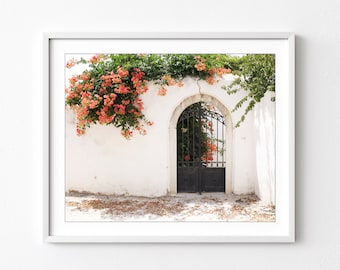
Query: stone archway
[173,138]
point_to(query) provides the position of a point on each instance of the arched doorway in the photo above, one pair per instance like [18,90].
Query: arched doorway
[201,149]
[220,179]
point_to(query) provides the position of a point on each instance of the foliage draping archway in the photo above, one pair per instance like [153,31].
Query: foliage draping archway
[109,90]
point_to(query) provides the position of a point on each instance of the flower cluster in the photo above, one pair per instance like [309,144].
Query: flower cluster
[96,58]
[111,97]
[208,155]
[71,63]
[211,149]
[200,66]
[211,74]
[109,92]
[167,80]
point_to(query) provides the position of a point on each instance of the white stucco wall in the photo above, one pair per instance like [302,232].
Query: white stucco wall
[264,140]
[103,161]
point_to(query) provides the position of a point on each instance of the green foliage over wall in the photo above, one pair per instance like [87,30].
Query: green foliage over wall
[109,90]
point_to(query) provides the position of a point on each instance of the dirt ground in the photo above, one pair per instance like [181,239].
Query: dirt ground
[182,207]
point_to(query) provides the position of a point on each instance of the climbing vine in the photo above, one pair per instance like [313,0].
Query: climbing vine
[255,74]
[109,90]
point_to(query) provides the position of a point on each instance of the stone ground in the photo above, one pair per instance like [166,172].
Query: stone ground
[182,207]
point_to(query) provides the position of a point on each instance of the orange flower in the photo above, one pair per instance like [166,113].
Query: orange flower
[82,112]
[73,80]
[169,81]
[210,80]
[88,86]
[116,79]
[71,63]
[221,71]
[106,83]
[139,104]
[119,109]
[200,66]
[122,89]
[71,95]
[102,91]
[142,89]
[109,99]
[180,84]
[103,117]
[105,77]
[93,104]
[162,91]
[141,129]
[127,133]
[212,71]
[85,76]
[96,58]
[80,131]
[122,72]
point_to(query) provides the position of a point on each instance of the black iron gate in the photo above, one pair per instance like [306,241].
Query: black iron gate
[201,149]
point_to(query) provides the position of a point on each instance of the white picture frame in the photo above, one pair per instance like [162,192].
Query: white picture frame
[57,230]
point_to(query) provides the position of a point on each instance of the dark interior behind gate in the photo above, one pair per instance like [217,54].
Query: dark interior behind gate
[201,149]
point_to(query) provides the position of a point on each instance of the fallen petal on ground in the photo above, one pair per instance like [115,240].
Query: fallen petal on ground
[182,207]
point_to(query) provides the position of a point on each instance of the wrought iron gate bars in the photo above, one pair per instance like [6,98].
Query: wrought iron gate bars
[200,149]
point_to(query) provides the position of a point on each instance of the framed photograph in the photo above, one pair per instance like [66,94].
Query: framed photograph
[169,137]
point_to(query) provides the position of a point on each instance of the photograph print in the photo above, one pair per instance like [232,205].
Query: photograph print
[170,137]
